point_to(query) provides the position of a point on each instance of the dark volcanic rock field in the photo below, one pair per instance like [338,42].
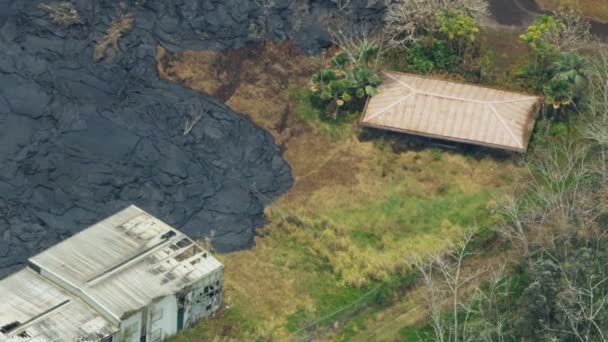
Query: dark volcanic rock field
[80,140]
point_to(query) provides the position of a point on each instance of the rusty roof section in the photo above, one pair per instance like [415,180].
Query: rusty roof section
[452,111]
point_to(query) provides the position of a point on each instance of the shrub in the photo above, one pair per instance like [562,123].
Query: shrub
[430,56]
[349,80]
[436,153]
[559,129]
[447,48]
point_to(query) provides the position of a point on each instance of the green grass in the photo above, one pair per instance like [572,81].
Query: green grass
[417,334]
[407,210]
[331,301]
[338,129]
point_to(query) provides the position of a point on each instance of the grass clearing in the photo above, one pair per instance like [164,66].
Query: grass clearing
[357,209]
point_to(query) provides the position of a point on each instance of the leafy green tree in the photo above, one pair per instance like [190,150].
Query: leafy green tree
[459,29]
[540,38]
[431,55]
[350,79]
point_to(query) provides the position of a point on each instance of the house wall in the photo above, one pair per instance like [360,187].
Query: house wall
[162,321]
[199,301]
[130,329]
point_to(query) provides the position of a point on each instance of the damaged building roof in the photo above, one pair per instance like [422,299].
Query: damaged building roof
[98,277]
[126,261]
[34,310]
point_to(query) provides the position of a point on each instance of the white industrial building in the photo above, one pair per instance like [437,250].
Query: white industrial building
[128,278]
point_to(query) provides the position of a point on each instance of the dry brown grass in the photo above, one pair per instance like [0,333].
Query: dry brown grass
[593,9]
[107,46]
[62,13]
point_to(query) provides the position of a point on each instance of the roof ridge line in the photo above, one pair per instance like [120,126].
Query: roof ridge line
[503,123]
[456,97]
[400,82]
[384,110]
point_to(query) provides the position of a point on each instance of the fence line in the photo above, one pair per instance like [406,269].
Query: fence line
[358,300]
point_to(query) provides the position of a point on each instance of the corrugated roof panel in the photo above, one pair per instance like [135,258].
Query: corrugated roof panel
[126,261]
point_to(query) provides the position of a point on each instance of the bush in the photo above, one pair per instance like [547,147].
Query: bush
[559,129]
[430,56]
[446,49]
[348,82]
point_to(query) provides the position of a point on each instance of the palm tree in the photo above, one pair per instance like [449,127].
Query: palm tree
[572,68]
[569,78]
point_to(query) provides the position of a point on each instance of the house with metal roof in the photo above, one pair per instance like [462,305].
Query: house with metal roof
[452,111]
[130,277]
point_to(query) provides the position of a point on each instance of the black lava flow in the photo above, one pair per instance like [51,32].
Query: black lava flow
[81,140]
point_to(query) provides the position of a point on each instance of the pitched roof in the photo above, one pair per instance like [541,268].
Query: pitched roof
[125,262]
[35,310]
[452,111]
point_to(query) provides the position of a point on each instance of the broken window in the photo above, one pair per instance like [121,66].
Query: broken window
[9,327]
[184,243]
[168,235]
[188,253]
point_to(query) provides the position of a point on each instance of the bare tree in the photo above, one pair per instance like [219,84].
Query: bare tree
[264,23]
[407,20]
[342,4]
[583,302]
[559,174]
[191,121]
[445,277]
[518,215]
[596,128]
[352,39]
[575,33]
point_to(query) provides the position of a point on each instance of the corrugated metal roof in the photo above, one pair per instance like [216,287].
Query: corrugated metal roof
[46,313]
[452,111]
[126,261]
